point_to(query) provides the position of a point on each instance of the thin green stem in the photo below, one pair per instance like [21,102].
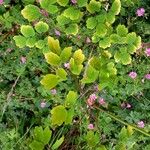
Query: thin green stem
[121,121]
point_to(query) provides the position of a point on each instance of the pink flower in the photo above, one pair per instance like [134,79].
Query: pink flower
[140,12]
[101,101]
[43,104]
[91,126]
[90,102]
[1,2]
[141,124]
[53,92]
[123,105]
[88,40]
[147,52]
[23,59]
[93,97]
[67,65]
[57,33]
[73,1]
[96,88]
[147,76]
[133,74]
[128,105]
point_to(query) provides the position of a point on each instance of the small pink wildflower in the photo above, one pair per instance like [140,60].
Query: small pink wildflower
[93,97]
[96,88]
[43,104]
[101,101]
[67,65]
[133,74]
[123,105]
[140,12]
[53,92]
[141,124]
[73,1]
[23,59]
[128,105]
[57,33]
[90,102]
[1,2]
[88,40]
[91,126]
[147,52]
[147,76]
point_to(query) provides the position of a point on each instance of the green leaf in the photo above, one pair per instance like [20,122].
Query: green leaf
[95,38]
[92,139]
[49,81]
[65,54]
[71,99]
[101,147]
[95,63]
[111,68]
[27,30]
[62,2]
[131,48]
[138,42]
[31,42]
[72,13]
[20,41]
[62,20]
[70,116]
[115,38]
[93,6]
[41,27]
[31,12]
[72,29]
[45,3]
[62,74]
[82,3]
[101,30]
[90,75]
[122,30]
[78,57]
[54,45]
[131,38]
[75,69]
[52,9]
[116,7]
[52,59]
[110,18]
[59,115]
[105,43]
[35,145]
[47,133]
[101,18]
[40,44]
[58,143]
[91,22]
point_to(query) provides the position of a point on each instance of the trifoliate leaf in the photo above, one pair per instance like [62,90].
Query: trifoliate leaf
[49,81]
[41,27]
[78,57]
[62,2]
[20,41]
[65,54]
[27,30]
[93,6]
[72,29]
[40,44]
[91,23]
[31,12]
[59,115]
[122,30]
[71,99]
[52,58]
